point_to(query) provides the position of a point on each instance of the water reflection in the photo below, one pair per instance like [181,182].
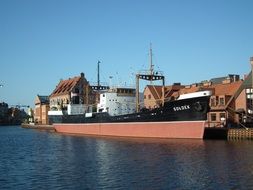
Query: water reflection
[32,159]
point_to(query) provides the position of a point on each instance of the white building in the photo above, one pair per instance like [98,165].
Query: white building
[117,101]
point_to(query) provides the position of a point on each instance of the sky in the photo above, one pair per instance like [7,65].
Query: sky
[44,41]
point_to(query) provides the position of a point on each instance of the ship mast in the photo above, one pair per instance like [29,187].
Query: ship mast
[98,81]
[98,87]
[151,60]
[149,75]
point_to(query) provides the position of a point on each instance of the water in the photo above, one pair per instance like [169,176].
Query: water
[32,159]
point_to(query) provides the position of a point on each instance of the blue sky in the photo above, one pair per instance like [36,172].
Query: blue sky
[43,41]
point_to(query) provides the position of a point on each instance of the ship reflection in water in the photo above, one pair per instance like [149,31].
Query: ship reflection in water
[32,159]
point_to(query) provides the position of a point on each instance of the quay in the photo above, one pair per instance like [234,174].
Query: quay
[39,127]
[240,134]
[228,133]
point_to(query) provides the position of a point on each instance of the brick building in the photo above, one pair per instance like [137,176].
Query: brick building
[225,100]
[72,96]
[41,110]
[244,101]
[222,103]
[153,94]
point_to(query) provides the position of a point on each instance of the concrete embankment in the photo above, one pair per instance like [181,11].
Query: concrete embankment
[39,127]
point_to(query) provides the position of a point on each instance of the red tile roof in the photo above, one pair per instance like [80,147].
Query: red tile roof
[156,91]
[226,89]
[218,89]
[65,86]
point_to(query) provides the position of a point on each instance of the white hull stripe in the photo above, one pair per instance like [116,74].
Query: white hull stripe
[131,123]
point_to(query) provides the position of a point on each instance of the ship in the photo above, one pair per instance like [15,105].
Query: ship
[120,114]
[182,118]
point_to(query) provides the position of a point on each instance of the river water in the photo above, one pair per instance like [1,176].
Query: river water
[33,159]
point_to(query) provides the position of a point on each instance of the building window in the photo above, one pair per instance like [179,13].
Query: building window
[249,105]
[213,116]
[222,101]
[249,91]
[222,115]
[76,90]
[213,102]
[144,96]
[149,96]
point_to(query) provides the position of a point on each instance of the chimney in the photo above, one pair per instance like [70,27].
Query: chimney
[82,75]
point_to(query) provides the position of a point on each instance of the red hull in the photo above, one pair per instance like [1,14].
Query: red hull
[186,129]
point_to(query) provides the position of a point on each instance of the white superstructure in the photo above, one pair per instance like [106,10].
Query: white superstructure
[195,94]
[117,101]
